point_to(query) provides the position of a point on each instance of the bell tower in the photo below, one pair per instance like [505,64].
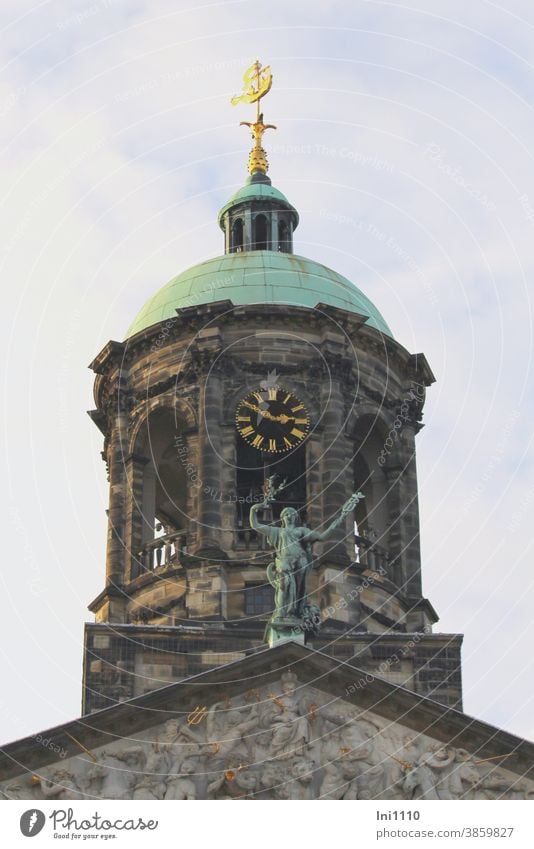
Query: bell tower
[254,366]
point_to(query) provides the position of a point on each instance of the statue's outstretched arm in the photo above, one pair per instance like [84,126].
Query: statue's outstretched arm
[319,536]
[348,507]
[254,523]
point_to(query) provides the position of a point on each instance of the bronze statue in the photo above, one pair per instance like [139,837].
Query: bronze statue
[292,542]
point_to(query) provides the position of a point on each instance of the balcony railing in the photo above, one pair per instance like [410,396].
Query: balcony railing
[163,551]
[372,555]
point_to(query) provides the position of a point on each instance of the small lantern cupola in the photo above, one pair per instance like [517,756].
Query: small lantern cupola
[258,217]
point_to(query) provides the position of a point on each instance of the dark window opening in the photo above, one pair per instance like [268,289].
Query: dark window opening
[237,236]
[259,599]
[283,237]
[253,469]
[260,233]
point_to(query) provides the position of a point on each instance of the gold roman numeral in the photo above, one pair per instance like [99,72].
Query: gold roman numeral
[298,433]
[286,399]
[258,439]
[272,445]
[287,442]
[272,394]
[247,430]
[296,409]
[243,418]
[301,421]
[258,396]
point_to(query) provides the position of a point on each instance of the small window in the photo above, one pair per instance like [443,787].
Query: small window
[260,233]
[259,599]
[237,236]
[283,237]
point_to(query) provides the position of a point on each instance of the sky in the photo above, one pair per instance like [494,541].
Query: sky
[404,139]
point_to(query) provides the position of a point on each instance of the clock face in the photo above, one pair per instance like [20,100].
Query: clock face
[272,420]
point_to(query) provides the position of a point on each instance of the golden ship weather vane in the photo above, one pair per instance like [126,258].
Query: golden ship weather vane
[257,82]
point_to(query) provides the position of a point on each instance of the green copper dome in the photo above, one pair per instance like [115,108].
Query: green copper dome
[257,277]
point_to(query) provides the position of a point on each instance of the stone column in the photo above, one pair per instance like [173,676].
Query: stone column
[115,554]
[404,544]
[209,492]
[274,230]
[247,230]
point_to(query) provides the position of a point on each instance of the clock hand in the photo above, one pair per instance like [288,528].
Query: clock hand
[265,413]
[282,418]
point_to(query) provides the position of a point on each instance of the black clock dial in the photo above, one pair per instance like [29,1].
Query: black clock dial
[272,420]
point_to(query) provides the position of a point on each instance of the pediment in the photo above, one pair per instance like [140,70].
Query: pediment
[286,723]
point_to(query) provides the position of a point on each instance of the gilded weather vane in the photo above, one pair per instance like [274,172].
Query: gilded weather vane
[257,83]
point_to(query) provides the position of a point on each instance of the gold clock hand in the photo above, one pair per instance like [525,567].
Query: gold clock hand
[265,413]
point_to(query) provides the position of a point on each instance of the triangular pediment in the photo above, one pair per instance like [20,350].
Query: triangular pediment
[288,723]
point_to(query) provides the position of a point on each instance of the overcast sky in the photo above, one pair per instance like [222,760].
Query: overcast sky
[404,140]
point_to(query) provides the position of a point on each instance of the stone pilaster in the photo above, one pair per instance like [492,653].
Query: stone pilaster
[403,537]
[335,473]
[134,522]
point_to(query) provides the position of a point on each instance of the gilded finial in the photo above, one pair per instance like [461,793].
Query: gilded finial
[257,82]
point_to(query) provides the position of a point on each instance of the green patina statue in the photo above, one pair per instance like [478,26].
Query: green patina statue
[288,573]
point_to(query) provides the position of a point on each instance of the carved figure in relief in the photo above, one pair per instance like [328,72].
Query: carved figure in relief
[118,770]
[181,785]
[234,783]
[59,785]
[290,726]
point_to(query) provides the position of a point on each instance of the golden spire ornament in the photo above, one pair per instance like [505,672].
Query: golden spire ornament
[257,82]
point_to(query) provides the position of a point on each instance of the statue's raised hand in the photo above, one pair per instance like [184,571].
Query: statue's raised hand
[349,505]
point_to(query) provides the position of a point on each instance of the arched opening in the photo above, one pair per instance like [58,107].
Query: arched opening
[159,492]
[237,236]
[371,514]
[284,243]
[253,467]
[260,233]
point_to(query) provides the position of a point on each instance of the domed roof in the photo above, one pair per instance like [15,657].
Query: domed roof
[257,277]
